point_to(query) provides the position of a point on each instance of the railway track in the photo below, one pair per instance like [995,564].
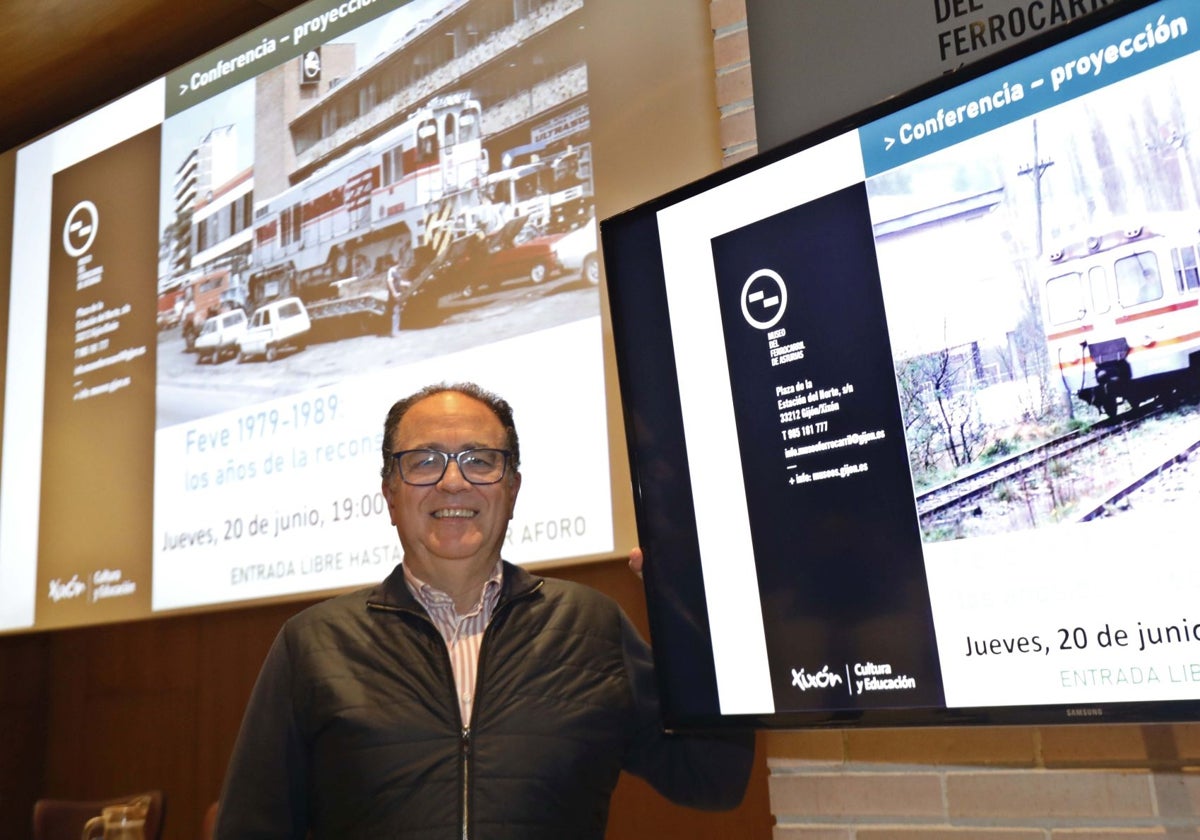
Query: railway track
[1152,469]
[970,489]
[949,501]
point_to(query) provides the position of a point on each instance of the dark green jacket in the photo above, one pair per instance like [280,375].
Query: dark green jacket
[353,729]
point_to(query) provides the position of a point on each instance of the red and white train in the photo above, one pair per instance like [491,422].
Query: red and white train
[361,213]
[1122,311]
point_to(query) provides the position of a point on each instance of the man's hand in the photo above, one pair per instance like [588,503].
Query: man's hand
[635,561]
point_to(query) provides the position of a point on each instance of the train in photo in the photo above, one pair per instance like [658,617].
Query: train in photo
[368,210]
[1121,309]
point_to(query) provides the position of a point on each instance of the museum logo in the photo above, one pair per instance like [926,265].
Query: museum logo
[79,231]
[764,299]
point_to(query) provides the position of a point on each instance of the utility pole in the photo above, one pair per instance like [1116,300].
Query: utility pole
[1035,171]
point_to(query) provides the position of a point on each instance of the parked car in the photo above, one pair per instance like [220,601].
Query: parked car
[578,251]
[275,327]
[472,266]
[219,336]
[515,252]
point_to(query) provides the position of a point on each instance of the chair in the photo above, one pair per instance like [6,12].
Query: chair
[63,819]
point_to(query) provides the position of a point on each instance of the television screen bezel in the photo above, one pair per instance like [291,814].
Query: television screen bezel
[635,278]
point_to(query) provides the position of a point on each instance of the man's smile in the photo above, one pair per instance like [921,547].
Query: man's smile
[454,513]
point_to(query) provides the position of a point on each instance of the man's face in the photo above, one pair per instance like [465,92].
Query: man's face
[452,521]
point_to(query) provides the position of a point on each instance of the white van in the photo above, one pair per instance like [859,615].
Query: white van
[276,326]
[219,336]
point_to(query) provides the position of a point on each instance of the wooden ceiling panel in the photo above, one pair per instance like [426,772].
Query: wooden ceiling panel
[66,57]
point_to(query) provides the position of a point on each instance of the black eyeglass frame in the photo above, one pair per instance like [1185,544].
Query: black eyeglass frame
[453,456]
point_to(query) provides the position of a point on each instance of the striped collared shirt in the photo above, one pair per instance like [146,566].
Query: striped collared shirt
[463,633]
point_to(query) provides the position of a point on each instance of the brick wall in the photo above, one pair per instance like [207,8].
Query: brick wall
[1000,783]
[735,94]
[1084,782]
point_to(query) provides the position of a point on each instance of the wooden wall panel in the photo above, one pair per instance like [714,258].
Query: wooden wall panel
[24,685]
[232,647]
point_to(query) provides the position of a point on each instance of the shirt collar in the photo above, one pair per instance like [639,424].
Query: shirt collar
[432,598]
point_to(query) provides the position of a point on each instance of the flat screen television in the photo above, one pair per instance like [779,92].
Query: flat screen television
[911,403]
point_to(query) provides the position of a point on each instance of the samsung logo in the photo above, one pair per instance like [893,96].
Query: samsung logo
[1087,711]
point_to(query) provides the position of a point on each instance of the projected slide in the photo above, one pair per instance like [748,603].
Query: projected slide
[222,281]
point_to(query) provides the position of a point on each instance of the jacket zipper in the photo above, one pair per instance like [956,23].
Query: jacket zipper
[465,744]
[464,737]
[464,741]
[466,731]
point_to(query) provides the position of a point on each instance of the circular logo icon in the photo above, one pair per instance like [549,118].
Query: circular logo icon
[80,230]
[764,299]
[311,64]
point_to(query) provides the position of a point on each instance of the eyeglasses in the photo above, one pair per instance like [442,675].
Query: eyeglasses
[423,467]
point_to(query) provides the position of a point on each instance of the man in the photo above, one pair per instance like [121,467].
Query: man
[398,284]
[463,697]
